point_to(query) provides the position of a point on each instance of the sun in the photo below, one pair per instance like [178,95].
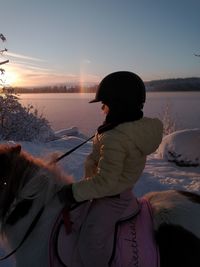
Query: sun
[11,78]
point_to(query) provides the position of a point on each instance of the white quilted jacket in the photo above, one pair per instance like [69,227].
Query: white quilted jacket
[118,158]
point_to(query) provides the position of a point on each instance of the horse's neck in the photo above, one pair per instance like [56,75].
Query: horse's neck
[35,248]
[44,197]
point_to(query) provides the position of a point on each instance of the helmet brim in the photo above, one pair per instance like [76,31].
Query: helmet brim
[94,101]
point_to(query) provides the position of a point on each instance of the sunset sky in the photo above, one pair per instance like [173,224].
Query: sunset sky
[62,41]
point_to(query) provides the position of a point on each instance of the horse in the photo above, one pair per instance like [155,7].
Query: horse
[30,206]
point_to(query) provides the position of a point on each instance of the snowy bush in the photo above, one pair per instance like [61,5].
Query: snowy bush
[169,125]
[181,147]
[22,123]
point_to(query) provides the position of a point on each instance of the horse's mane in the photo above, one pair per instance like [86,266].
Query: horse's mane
[24,177]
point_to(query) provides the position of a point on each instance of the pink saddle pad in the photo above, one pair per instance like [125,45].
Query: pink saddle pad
[135,242]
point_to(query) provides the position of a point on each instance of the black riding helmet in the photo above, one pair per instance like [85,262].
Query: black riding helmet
[121,87]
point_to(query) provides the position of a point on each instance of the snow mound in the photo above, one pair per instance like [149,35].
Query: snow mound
[72,131]
[181,147]
[69,131]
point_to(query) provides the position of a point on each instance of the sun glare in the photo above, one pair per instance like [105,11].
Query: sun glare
[11,78]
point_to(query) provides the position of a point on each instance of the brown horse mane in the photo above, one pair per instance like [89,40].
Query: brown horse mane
[17,167]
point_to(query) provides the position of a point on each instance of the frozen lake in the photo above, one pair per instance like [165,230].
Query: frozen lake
[72,109]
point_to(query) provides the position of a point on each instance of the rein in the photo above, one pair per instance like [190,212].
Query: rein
[70,151]
[30,229]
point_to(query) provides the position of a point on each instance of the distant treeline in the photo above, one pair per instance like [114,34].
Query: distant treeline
[180,84]
[52,89]
[168,85]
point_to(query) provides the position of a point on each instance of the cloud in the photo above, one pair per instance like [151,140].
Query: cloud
[32,71]
[33,75]
[21,65]
[19,56]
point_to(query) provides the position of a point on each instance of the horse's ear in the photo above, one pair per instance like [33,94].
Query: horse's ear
[16,149]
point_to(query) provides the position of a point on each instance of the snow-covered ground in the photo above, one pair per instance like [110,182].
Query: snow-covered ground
[159,174]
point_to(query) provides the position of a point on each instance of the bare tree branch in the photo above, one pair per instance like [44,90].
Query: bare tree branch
[4,62]
[2,71]
[2,37]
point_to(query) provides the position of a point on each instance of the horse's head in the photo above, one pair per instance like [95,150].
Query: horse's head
[10,169]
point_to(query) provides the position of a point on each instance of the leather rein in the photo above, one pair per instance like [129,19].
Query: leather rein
[30,229]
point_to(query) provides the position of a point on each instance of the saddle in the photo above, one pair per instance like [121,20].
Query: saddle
[134,243]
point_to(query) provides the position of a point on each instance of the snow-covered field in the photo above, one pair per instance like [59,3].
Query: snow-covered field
[159,174]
